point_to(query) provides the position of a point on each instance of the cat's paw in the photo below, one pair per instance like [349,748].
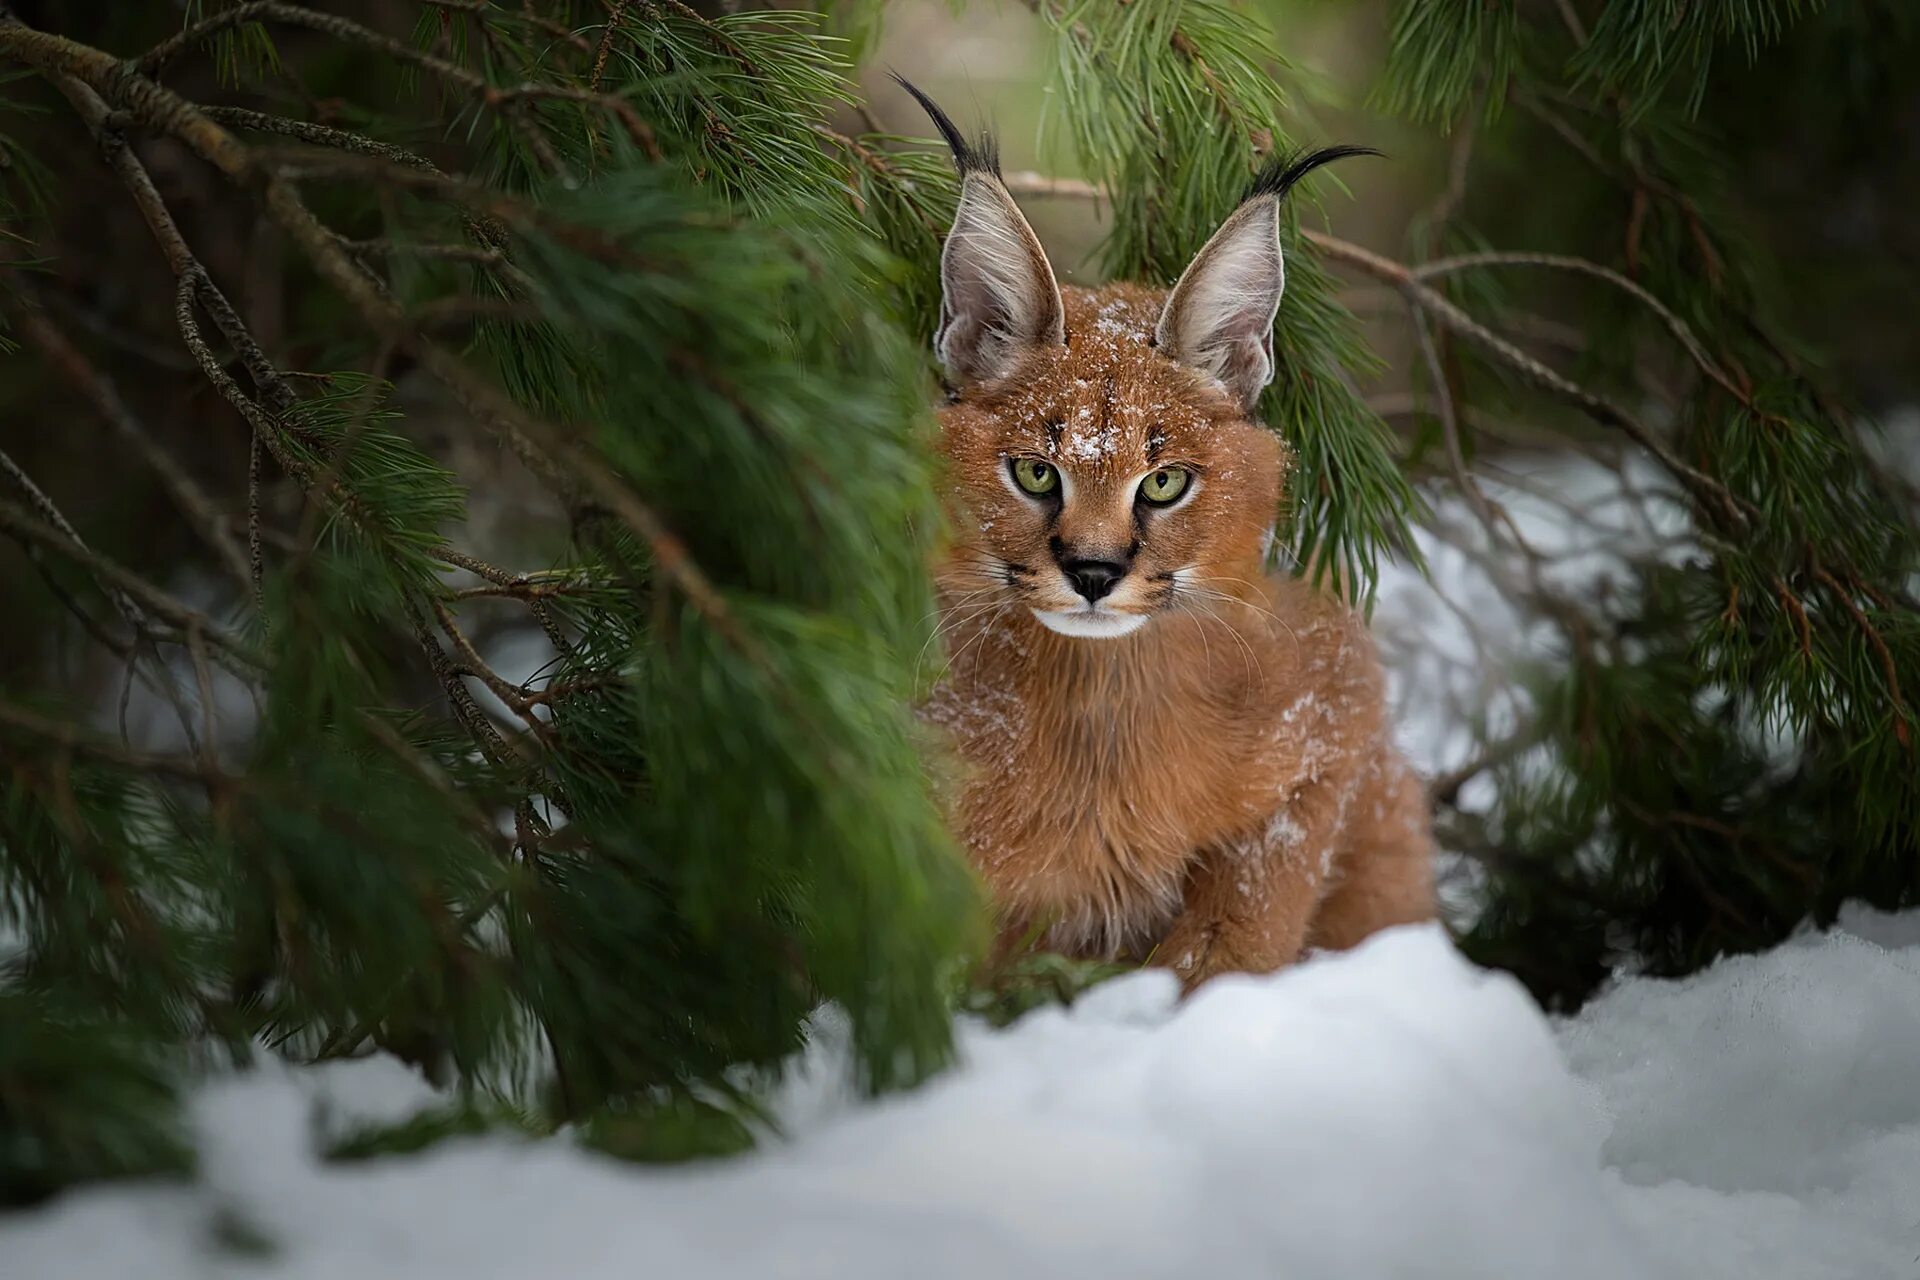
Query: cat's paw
[1192,951]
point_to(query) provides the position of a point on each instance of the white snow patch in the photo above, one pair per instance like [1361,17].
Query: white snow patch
[1391,1112]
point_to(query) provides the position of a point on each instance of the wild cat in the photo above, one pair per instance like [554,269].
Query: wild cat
[1165,753]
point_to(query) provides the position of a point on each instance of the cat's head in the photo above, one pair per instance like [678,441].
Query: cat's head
[1101,454]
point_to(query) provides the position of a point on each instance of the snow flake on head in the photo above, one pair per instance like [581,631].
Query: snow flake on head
[1125,320]
[1091,444]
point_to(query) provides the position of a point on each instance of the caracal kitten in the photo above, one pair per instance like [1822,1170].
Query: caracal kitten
[1165,752]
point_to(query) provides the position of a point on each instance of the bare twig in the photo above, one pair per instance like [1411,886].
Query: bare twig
[1025,182]
[465,709]
[538,21]
[123,603]
[1713,495]
[474,665]
[15,519]
[71,738]
[615,12]
[508,101]
[1450,423]
[1575,27]
[1562,262]
[1459,161]
[319,135]
[203,679]
[256,560]
[1444,790]
[193,502]
[146,197]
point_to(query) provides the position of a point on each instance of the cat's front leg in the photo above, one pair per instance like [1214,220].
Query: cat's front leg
[1248,902]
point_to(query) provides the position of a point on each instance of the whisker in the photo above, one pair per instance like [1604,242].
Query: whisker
[960,616]
[1262,610]
[1247,655]
[983,629]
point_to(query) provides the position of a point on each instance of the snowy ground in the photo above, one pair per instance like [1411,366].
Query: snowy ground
[1388,1113]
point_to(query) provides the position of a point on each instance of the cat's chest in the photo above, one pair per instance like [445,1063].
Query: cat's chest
[1081,769]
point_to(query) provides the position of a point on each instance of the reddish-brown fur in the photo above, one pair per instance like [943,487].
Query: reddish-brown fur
[1216,789]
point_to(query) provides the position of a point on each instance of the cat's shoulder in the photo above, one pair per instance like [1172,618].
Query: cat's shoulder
[1321,637]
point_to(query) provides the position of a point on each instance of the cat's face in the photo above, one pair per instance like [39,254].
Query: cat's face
[1101,459]
[1099,483]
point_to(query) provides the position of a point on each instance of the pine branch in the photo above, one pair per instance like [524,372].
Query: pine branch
[511,102]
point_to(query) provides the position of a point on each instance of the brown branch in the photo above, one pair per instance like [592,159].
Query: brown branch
[71,738]
[15,519]
[1444,790]
[478,9]
[173,245]
[193,502]
[203,679]
[1799,613]
[256,559]
[615,12]
[1888,668]
[388,248]
[1575,27]
[1460,159]
[1450,423]
[459,698]
[319,135]
[474,665]
[530,589]
[1025,182]
[298,165]
[484,231]
[267,428]
[1712,495]
[505,100]
[1562,262]
[136,618]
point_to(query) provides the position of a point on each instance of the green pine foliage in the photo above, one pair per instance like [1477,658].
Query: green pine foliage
[637,256]
[1733,749]
[83,1095]
[1445,52]
[620,902]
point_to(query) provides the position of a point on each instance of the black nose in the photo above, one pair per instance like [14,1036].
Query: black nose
[1093,578]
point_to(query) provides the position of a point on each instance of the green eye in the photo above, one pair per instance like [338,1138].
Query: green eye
[1037,478]
[1164,486]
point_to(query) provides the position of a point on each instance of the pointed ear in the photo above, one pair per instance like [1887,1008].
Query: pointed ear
[998,296]
[1219,317]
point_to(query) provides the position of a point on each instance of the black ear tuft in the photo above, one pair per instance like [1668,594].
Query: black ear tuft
[982,156]
[1279,174]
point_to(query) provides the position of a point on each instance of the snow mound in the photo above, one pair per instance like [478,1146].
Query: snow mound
[1391,1112]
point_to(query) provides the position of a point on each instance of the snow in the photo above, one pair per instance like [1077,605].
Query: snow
[1391,1112]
